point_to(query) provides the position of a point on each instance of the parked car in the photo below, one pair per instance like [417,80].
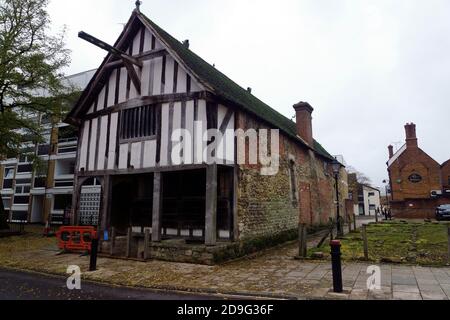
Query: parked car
[443,212]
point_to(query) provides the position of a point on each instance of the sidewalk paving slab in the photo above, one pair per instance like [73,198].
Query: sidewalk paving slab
[406,296]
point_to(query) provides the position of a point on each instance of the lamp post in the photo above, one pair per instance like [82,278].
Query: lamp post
[336,167]
[386,187]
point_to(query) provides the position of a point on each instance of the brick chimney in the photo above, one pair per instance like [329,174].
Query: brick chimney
[411,137]
[303,112]
[391,151]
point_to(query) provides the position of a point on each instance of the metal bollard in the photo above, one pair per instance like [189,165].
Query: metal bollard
[94,251]
[336,265]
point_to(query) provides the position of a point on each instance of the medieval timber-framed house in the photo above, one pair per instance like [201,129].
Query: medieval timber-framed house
[148,86]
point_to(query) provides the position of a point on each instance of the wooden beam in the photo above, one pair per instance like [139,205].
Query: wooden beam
[147,244]
[211,206]
[133,76]
[103,45]
[112,241]
[105,204]
[129,171]
[129,242]
[150,100]
[157,207]
[148,55]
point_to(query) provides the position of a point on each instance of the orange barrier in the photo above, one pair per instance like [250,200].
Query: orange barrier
[76,238]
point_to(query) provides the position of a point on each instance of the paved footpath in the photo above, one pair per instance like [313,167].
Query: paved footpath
[274,273]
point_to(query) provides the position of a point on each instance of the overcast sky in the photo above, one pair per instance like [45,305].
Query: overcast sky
[367,67]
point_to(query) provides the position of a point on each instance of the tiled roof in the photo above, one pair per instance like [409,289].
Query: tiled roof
[228,89]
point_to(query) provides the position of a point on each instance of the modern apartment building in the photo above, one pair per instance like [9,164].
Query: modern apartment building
[43,193]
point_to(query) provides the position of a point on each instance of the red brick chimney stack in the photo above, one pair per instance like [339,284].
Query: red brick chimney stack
[391,151]
[411,137]
[303,112]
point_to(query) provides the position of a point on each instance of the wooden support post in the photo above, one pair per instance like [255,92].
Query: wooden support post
[157,207]
[349,224]
[104,208]
[354,222]
[129,242]
[112,241]
[211,206]
[303,245]
[147,244]
[365,241]
[376,216]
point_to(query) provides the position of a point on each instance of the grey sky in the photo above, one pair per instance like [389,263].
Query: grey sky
[367,67]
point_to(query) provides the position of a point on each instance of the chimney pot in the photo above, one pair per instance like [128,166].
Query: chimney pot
[303,111]
[186,44]
[411,136]
[249,90]
[391,151]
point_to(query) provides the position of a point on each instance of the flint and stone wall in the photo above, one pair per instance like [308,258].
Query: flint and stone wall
[265,204]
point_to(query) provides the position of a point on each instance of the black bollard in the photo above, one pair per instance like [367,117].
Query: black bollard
[336,265]
[94,250]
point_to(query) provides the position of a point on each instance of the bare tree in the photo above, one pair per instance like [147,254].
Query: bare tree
[361,177]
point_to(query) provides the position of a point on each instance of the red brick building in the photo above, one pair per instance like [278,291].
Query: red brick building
[418,182]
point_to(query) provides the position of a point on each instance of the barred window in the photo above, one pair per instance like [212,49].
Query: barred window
[138,123]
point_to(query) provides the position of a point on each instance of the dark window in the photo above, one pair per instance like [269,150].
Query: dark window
[21,199]
[7,184]
[44,150]
[92,182]
[64,183]
[350,195]
[372,207]
[371,194]
[138,122]
[415,178]
[67,134]
[24,158]
[23,181]
[19,216]
[40,182]
[24,168]
[6,203]
[22,189]
[67,149]
[62,201]
[9,173]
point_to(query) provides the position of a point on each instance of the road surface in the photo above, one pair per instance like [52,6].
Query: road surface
[16,285]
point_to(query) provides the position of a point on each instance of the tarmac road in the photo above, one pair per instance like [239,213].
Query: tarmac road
[17,285]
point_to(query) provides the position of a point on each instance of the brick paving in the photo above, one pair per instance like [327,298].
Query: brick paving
[274,273]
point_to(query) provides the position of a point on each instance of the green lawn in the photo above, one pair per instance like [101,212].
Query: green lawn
[415,243]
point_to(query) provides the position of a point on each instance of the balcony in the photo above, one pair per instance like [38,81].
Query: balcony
[64,183]
[44,150]
[8,183]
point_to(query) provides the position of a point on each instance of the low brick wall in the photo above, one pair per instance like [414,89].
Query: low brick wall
[417,208]
[180,251]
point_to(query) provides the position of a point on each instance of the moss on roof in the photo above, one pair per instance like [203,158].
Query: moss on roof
[227,88]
